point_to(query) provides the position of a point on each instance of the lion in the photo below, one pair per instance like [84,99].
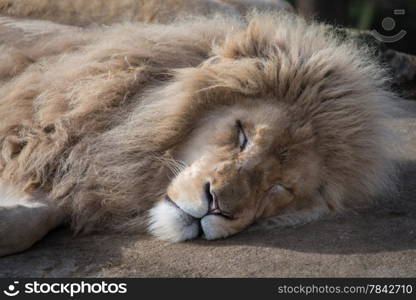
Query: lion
[201,127]
[87,12]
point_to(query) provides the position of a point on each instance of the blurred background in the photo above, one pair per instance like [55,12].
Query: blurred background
[392,21]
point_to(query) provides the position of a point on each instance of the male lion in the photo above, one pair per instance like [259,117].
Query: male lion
[86,12]
[202,126]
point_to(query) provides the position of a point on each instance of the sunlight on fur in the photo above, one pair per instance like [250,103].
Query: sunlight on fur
[203,127]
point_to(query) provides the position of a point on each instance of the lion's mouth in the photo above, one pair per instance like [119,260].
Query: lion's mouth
[168,199]
[170,222]
[213,209]
[187,218]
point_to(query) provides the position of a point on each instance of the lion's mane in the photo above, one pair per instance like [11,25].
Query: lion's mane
[89,116]
[86,12]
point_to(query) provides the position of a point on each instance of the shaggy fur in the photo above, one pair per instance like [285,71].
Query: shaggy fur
[85,12]
[96,126]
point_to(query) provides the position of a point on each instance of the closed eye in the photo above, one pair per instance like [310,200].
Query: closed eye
[280,189]
[242,138]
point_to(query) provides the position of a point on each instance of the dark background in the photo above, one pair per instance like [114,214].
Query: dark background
[367,15]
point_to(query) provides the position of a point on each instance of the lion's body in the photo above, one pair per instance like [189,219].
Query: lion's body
[90,118]
[82,12]
[60,113]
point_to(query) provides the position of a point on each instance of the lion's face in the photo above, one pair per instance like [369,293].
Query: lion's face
[242,163]
[271,125]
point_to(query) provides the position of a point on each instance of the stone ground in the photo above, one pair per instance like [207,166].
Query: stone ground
[378,242]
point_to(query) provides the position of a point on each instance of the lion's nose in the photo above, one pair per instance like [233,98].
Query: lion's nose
[208,194]
[213,207]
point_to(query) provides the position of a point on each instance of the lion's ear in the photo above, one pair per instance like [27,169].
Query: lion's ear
[212,61]
[278,189]
[255,41]
[223,79]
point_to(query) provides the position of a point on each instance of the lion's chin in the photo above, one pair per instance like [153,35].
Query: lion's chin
[216,227]
[169,223]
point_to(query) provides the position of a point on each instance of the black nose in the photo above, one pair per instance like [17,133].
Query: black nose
[208,194]
[213,207]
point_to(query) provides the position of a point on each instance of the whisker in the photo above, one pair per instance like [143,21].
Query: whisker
[173,165]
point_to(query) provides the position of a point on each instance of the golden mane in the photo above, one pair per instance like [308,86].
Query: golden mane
[91,118]
[87,12]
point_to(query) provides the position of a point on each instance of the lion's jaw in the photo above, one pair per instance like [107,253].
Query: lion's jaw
[225,188]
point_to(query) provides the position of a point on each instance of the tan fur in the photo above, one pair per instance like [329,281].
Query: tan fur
[245,6]
[98,125]
[85,12]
